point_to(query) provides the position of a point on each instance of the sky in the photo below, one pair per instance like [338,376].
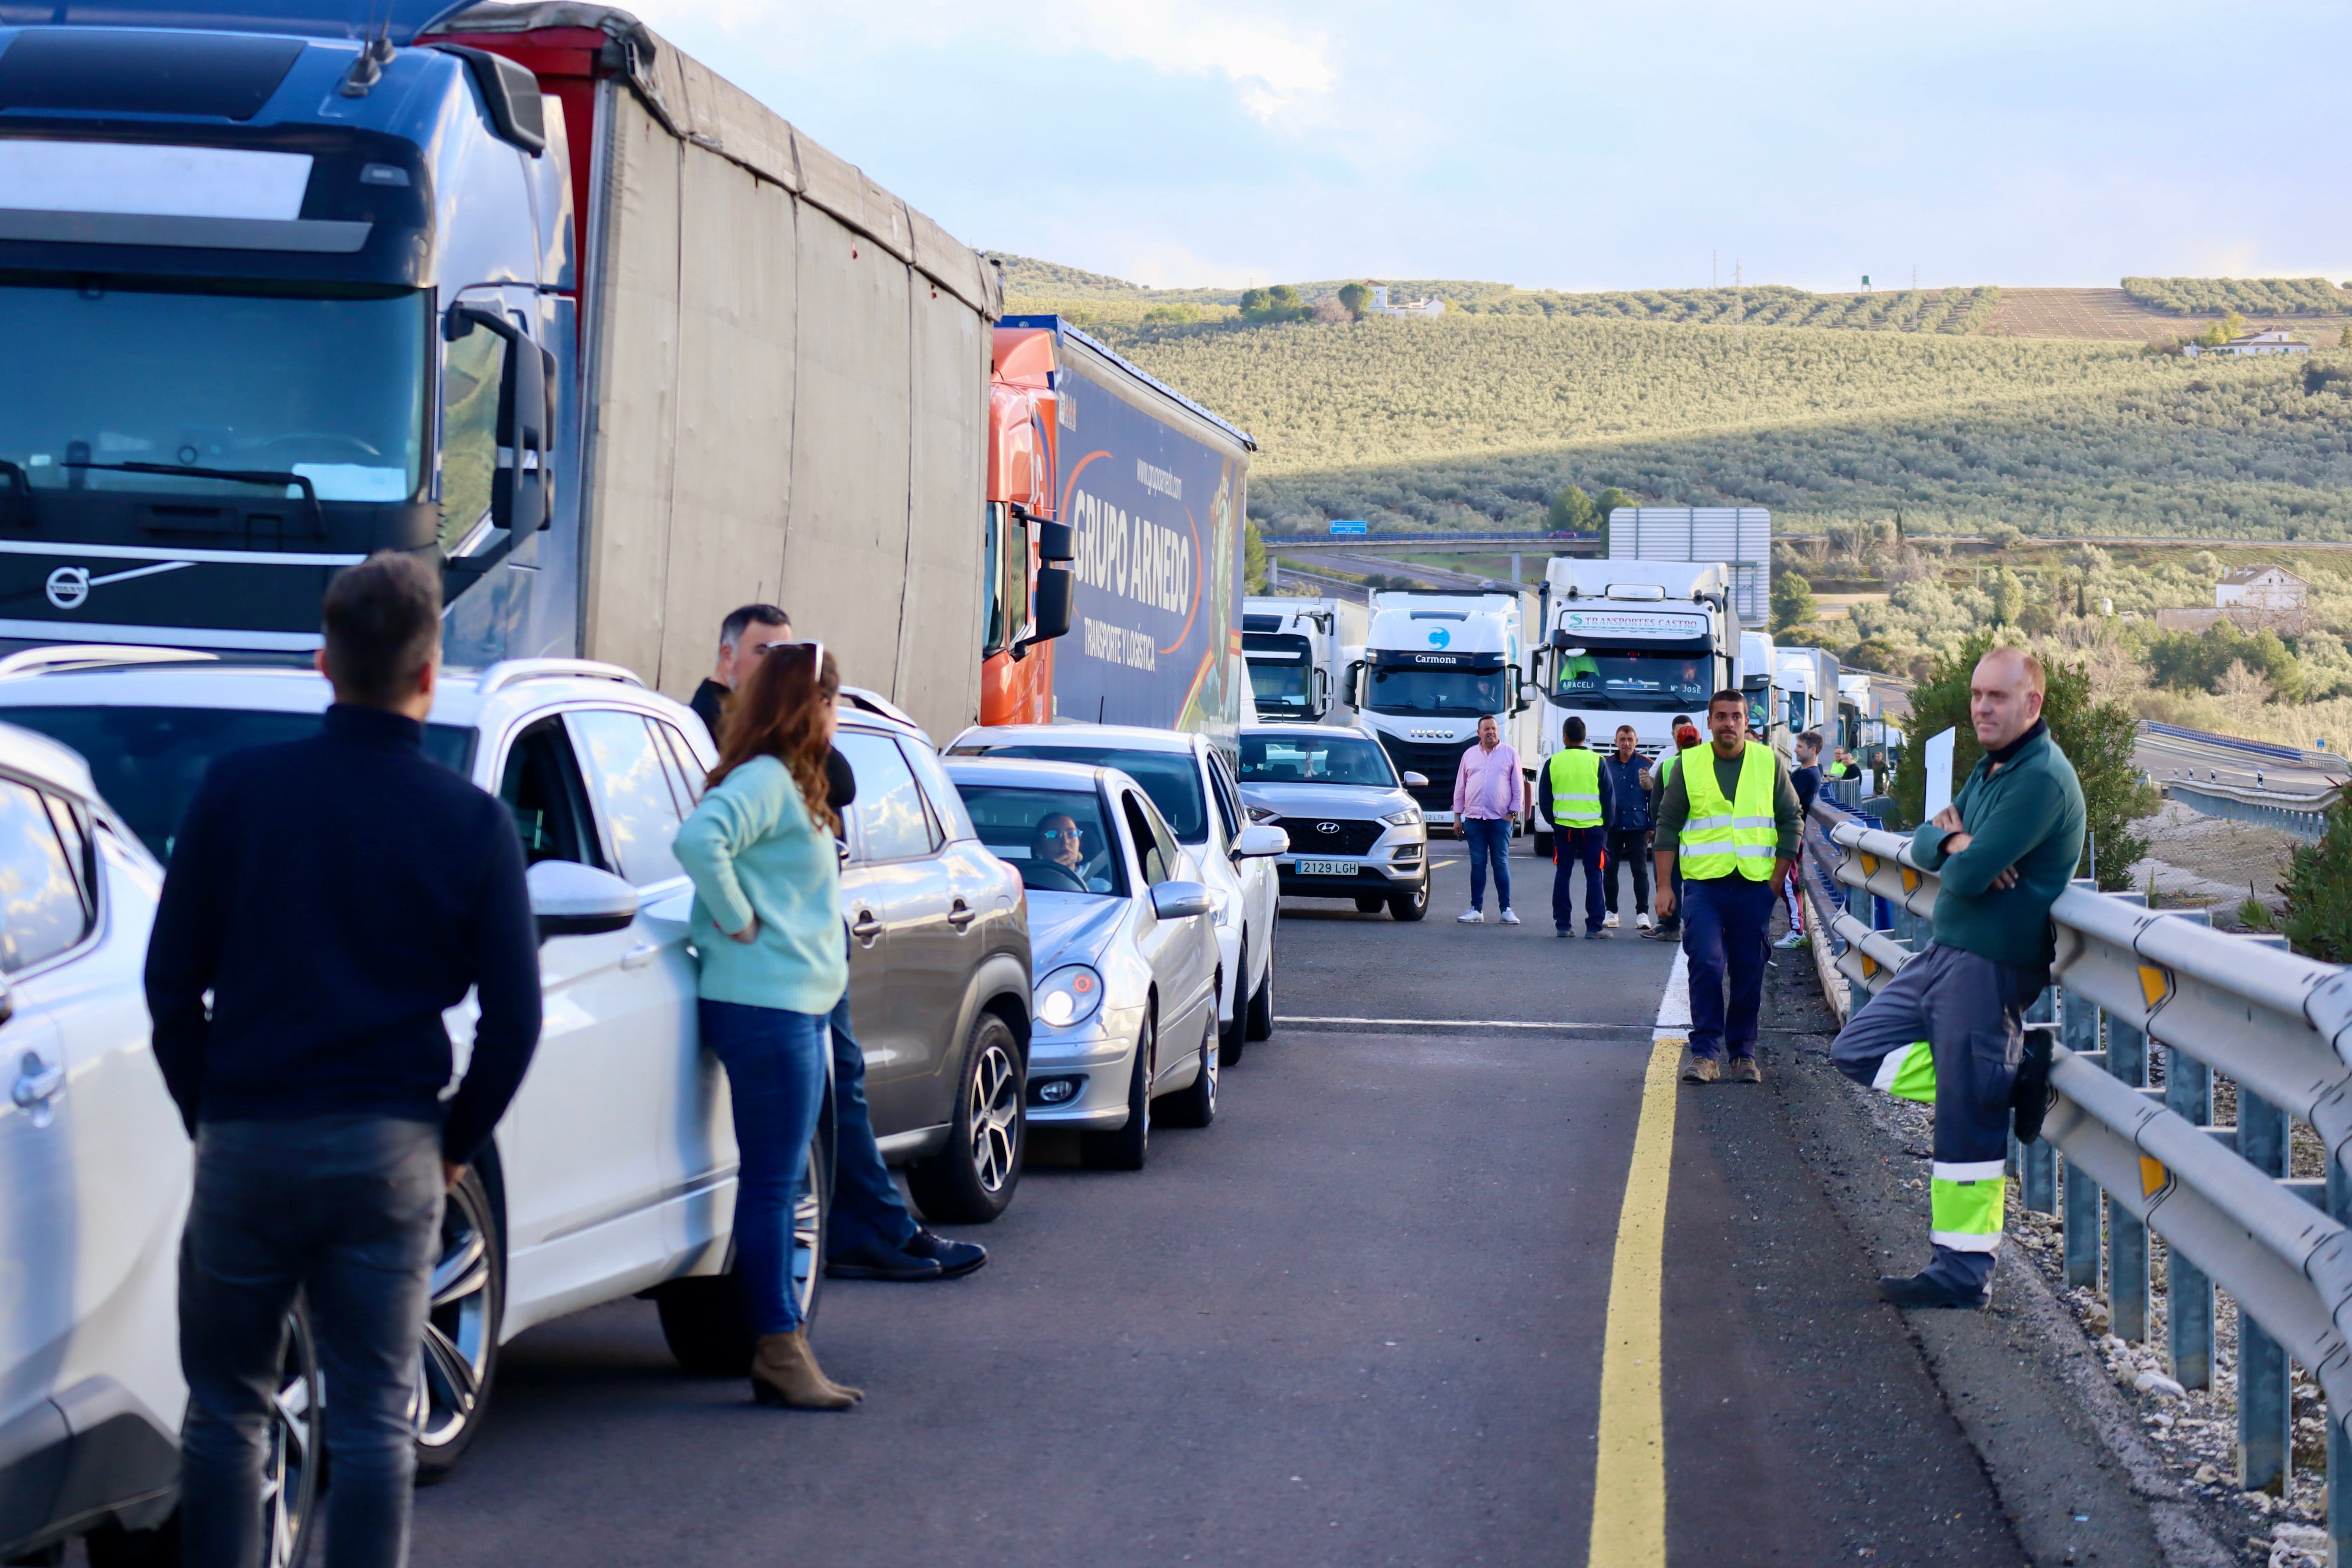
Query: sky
[1570,145]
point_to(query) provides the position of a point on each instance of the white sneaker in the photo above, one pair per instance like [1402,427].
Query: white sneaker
[1472,917]
[1643,920]
[1609,920]
[1510,917]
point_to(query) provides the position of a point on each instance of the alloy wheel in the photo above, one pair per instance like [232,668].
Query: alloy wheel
[459,1330]
[808,1229]
[996,1116]
[1208,1055]
[290,1475]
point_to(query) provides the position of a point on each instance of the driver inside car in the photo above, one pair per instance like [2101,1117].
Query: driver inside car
[1059,843]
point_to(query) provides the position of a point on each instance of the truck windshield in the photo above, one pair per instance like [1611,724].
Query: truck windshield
[1281,672]
[332,389]
[1424,689]
[1636,681]
[147,762]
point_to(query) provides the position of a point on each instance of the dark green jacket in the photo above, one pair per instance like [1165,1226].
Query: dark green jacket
[2026,813]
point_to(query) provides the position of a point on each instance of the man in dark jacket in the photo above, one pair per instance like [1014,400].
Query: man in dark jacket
[1806,778]
[743,638]
[1949,1027]
[335,895]
[1628,773]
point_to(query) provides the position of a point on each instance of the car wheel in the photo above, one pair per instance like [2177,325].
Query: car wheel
[1370,903]
[460,1354]
[1127,1147]
[704,1317]
[1195,1105]
[293,1447]
[1411,906]
[1261,1005]
[971,1181]
[1233,1038]
[1541,849]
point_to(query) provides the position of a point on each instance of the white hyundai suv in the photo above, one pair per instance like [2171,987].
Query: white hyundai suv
[1192,784]
[613,1172]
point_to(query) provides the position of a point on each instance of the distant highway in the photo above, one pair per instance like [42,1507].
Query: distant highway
[2161,756]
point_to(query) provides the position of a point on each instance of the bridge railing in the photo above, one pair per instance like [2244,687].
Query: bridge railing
[2276,1026]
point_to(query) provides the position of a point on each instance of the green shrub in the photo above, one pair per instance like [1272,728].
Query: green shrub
[2097,738]
[2198,662]
[2319,890]
[1792,601]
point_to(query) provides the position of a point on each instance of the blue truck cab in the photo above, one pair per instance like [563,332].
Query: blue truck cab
[280,286]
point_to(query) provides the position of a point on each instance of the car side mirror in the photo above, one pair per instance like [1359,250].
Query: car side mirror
[1416,781]
[7,1000]
[1260,839]
[573,899]
[1181,900]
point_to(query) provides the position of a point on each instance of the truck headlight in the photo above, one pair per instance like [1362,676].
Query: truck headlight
[1071,995]
[1405,818]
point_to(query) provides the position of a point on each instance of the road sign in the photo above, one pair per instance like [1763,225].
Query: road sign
[1349,525]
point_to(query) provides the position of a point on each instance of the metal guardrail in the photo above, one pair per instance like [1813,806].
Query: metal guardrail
[2278,1024]
[2304,816]
[2294,756]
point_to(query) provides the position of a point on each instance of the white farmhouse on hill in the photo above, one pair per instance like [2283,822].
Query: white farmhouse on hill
[2272,588]
[1432,306]
[2269,340]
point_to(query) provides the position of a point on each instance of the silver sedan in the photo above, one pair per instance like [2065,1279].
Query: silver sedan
[1125,1006]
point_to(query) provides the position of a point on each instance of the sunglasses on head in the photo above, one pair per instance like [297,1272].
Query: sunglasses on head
[817,651]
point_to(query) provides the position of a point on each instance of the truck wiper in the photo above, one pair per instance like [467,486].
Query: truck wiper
[233,476]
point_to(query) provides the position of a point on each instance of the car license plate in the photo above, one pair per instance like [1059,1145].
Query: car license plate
[1326,867]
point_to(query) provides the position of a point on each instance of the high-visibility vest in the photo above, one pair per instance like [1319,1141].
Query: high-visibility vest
[1575,788]
[1722,834]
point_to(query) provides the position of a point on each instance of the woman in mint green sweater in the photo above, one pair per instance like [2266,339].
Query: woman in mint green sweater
[767,920]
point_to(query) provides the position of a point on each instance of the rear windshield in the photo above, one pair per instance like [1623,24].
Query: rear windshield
[147,762]
[1172,779]
[1057,839]
[1312,756]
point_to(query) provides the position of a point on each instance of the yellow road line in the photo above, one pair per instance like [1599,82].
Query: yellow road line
[1629,1471]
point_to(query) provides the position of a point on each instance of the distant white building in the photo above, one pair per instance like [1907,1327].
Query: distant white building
[2272,588]
[2269,340]
[1432,306]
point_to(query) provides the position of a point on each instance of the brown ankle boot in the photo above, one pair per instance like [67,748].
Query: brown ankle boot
[784,1371]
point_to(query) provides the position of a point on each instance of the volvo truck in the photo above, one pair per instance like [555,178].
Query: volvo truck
[1434,661]
[522,290]
[1298,652]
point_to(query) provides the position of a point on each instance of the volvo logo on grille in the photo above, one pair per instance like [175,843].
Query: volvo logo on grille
[69,586]
[1326,827]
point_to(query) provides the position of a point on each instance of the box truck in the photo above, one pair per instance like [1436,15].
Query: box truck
[1738,537]
[1299,650]
[522,290]
[1434,661]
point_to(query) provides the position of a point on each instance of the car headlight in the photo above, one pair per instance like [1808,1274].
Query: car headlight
[1405,818]
[1261,814]
[1071,995]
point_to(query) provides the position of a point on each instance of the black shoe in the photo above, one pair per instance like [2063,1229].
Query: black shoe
[1917,1290]
[1563,931]
[954,1257]
[880,1260]
[2029,1097]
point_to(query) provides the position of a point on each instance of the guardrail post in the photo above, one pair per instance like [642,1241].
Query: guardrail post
[2078,1030]
[2188,1289]
[2127,1275]
[2265,1407]
[2339,1448]
[2038,1161]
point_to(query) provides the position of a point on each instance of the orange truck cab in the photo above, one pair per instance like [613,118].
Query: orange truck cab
[1028,549]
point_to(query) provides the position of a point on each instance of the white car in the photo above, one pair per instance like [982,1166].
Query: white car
[1127,991]
[96,1171]
[612,1173]
[1192,784]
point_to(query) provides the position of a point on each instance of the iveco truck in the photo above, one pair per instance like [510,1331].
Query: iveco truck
[1434,661]
[521,290]
[1298,650]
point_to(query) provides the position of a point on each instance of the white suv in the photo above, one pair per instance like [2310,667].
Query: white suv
[96,1172]
[612,1173]
[1192,784]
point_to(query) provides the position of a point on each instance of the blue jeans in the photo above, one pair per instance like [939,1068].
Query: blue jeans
[775,1076]
[1727,922]
[1488,837]
[1573,847]
[347,1211]
[865,1202]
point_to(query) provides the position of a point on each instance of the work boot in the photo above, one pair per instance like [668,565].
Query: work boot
[1697,1068]
[1596,934]
[1743,1069]
[784,1371]
[1923,1290]
[954,1257]
[877,1259]
[2029,1096]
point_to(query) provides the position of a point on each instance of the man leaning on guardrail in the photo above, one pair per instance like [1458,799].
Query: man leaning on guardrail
[1949,1026]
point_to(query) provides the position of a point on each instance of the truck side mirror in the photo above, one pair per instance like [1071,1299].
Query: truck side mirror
[1322,689]
[1055,541]
[521,491]
[1356,684]
[1056,590]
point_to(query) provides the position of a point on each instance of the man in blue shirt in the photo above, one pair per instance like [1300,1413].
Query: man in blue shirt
[1628,773]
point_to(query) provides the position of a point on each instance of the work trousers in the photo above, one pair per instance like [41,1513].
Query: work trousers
[1489,837]
[775,1076]
[1631,850]
[1573,847]
[344,1211]
[1727,925]
[1950,1026]
[865,1202]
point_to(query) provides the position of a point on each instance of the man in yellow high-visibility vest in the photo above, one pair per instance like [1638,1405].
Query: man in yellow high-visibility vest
[1574,797]
[1728,820]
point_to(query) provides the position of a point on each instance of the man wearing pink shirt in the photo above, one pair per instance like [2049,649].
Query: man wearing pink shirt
[1487,793]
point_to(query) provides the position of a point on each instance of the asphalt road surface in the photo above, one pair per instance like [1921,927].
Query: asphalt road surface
[2161,756]
[1357,1321]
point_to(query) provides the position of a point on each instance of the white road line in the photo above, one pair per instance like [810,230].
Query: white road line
[1674,1007]
[1457,1024]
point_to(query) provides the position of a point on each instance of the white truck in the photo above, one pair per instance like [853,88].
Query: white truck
[1298,652]
[1756,662]
[1434,661]
[1804,688]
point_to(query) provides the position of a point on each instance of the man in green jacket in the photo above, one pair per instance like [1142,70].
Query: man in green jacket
[1949,1026]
